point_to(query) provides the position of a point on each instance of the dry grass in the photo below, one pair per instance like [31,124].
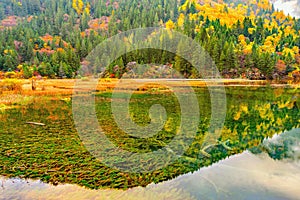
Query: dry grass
[11,85]
[65,87]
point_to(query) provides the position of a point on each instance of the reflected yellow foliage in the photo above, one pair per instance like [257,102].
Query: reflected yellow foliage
[237,116]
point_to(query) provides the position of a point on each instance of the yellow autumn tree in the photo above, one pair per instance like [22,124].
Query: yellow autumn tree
[181,20]
[88,8]
[188,4]
[170,25]
[75,6]
[287,51]
[79,7]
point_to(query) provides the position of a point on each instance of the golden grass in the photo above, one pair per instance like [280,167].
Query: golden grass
[65,87]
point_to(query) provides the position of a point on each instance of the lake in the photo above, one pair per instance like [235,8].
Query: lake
[55,160]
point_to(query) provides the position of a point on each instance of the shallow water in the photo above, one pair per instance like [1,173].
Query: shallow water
[55,153]
[243,176]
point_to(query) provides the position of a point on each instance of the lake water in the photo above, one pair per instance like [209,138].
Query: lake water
[243,176]
[52,162]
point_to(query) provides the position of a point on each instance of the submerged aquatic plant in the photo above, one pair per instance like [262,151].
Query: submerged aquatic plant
[54,153]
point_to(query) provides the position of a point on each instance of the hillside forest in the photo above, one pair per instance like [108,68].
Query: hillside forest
[246,39]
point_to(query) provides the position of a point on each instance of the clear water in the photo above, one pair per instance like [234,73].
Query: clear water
[243,176]
[54,153]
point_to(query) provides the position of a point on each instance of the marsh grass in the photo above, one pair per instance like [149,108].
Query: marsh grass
[11,85]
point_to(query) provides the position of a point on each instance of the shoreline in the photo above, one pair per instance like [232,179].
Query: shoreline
[67,86]
[59,89]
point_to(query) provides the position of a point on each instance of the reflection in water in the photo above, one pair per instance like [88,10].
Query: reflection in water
[284,146]
[55,153]
[243,176]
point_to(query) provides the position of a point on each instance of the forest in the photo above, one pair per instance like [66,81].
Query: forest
[246,39]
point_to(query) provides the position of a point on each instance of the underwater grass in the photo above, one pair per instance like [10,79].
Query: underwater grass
[55,153]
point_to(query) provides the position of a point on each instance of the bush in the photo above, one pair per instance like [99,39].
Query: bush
[1,75]
[10,75]
[85,79]
[11,85]
[296,76]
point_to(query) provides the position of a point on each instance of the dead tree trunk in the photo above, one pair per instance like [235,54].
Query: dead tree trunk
[33,84]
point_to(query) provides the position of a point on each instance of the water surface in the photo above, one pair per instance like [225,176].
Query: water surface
[243,176]
[34,159]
